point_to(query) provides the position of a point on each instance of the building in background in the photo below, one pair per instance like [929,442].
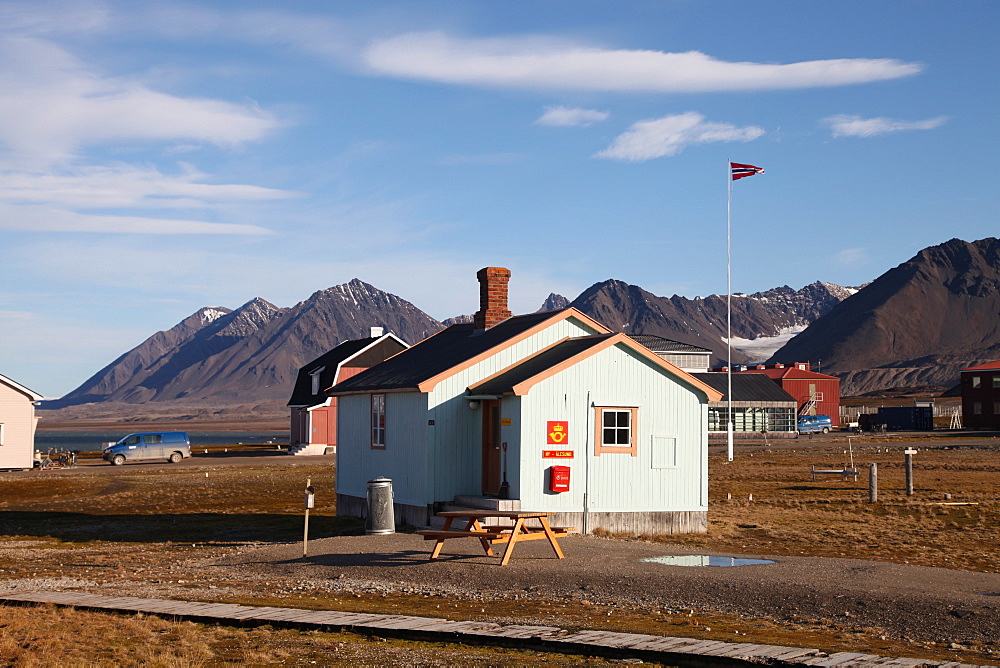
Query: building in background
[682,355]
[760,407]
[814,393]
[314,414]
[17,424]
[981,396]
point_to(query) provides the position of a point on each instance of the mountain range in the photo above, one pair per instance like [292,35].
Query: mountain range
[917,324]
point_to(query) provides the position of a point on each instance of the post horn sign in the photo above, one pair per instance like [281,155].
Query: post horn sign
[557,433]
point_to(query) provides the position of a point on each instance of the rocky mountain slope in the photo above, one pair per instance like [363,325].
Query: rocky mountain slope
[917,324]
[702,321]
[249,355]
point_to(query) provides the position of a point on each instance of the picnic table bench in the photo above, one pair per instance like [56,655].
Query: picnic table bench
[843,471]
[492,534]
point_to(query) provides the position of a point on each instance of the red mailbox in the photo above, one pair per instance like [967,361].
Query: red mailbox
[558,478]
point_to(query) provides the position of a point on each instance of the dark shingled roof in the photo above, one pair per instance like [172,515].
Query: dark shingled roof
[302,392]
[658,344]
[533,366]
[436,354]
[746,387]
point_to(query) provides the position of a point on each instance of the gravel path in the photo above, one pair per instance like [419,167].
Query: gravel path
[908,602]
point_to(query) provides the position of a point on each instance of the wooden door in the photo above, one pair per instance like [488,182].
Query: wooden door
[491,446]
[319,426]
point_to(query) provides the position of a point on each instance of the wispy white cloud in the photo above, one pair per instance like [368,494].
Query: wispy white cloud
[670,135]
[852,257]
[571,117]
[846,125]
[542,62]
[122,185]
[53,106]
[49,219]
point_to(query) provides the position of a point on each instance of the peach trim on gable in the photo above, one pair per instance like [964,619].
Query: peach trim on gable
[429,384]
[710,392]
[524,386]
[472,388]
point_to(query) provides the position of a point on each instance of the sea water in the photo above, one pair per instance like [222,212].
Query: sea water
[89,441]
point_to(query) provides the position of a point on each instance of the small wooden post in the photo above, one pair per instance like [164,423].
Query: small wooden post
[909,452]
[308,503]
[873,483]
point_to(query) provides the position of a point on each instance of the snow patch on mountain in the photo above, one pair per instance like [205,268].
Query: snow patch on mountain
[760,349]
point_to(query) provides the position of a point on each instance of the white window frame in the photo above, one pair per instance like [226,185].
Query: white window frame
[315,380]
[2,434]
[377,424]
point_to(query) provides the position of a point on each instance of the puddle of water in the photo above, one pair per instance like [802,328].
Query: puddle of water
[705,560]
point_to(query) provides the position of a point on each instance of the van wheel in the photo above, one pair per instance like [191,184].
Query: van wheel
[826,430]
[118,460]
[174,457]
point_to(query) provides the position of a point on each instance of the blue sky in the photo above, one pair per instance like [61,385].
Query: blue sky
[158,157]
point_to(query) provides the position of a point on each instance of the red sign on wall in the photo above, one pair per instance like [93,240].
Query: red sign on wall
[557,432]
[557,454]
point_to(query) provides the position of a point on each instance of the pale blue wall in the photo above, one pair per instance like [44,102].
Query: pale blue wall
[617,482]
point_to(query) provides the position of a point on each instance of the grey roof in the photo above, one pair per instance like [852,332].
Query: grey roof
[746,387]
[658,344]
[532,366]
[302,392]
[436,354]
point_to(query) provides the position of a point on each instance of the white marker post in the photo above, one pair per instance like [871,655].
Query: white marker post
[308,502]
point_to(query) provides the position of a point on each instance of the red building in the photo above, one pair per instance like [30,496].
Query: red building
[815,393]
[981,396]
[313,427]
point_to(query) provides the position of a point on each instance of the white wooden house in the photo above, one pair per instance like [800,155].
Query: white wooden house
[488,408]
[17,425]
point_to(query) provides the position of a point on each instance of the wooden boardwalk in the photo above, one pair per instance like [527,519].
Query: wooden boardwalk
[676,651]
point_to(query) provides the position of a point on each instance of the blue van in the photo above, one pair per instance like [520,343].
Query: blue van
[814,424]
[172,446]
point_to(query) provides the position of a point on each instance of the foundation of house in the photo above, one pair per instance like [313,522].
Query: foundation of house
[661,522]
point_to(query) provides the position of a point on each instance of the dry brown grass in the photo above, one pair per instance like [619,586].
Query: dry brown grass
[133,523]
[43,636]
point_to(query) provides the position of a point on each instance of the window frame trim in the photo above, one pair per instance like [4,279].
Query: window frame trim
[600,448]
[371,421]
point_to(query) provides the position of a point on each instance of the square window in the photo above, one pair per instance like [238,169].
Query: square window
[976,382]
[977,408]
[616,430]
[996,382]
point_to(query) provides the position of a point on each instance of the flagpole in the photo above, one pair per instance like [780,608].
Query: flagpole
[729,311]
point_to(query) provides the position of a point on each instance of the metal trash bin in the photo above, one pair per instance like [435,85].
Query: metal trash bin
[380,519]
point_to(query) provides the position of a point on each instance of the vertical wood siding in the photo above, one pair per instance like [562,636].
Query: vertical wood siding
[17,414]
[617,482]
[457,434]
[404,458]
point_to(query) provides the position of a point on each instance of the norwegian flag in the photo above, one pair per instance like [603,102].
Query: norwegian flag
[739,171]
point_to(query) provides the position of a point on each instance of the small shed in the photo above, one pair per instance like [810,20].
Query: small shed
[489,408]
[313,414]
[981,396]
[17,424]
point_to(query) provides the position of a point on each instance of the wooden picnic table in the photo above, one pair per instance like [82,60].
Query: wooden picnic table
[491,534]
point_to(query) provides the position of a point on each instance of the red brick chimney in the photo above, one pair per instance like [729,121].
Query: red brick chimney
[492,297]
